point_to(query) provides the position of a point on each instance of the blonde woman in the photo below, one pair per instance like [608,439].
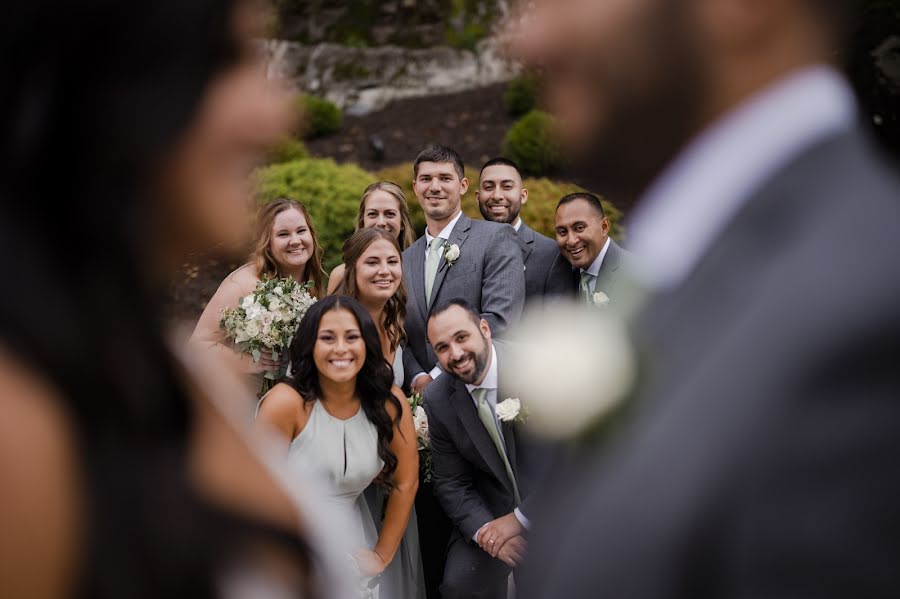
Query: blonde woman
[286,245]
[383,206]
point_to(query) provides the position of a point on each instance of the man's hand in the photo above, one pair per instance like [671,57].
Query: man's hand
[513,551]
[496,533]
[422,381]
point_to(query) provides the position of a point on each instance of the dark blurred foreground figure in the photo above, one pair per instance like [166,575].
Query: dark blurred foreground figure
[128,134]
[759,454]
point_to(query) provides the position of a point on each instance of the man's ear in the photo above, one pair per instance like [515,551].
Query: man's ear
[604,225]
[485,328]
[465,186]
[524,196]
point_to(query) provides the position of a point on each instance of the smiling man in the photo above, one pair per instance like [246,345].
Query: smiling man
[501,195]
[582,234]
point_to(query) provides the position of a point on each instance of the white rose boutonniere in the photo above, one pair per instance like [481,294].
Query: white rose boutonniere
[451,254]
[600,299]
[510,410]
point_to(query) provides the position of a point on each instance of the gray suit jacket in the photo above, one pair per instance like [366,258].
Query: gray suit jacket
[538,254]
[761,456]
[470,480]
[488,274]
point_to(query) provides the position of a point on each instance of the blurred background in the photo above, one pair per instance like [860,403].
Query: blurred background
[377,80]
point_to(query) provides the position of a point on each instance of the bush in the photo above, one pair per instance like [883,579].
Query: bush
[539,212]
[521,95]
[532,144]
[330,192]
[318,116]
[288,150]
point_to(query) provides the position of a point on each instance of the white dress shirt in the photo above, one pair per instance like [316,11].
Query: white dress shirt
[490,384]
[700,192]
[594,268]
[445,235]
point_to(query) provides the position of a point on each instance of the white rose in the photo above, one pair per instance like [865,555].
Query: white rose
[576,364]
[279,290]
[452,253]
[508,409]
[251,329]
[275,304]
[420,421]
[601,299]
[246,302]
[254,311]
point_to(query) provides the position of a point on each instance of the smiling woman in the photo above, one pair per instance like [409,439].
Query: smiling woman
[286,245]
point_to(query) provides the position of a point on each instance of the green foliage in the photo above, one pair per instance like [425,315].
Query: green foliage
[319,116]
[288,150]
[467,37]
[539,212]
[521,95]
[531,143]
[330,192]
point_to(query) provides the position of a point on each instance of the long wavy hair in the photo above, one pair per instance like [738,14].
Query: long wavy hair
[395,308]
[91,323]
[407,234]
[373,381]
[262,255]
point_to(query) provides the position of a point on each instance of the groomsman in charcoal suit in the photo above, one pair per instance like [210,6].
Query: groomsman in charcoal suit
[484,468]
[596,263]
[457,257]
[500,196]
[759,456]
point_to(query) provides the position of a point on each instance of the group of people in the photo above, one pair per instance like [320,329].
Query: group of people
[404,316]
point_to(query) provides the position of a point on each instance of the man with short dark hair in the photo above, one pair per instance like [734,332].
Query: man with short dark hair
[484,468]
[457,257]
[759,456]
[582,233]
[501,195]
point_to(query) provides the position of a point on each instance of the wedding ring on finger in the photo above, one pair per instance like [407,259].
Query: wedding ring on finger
[491,541]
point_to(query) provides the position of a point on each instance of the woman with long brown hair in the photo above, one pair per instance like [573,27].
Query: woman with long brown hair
[383,206]
[286,245]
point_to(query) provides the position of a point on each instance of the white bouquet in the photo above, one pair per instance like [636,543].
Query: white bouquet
[266,320]
[420,421]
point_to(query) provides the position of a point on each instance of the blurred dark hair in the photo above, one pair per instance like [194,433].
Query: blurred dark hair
[501,161]
[90,113]
[435,153]
[459,302]
[373,382]
[590,198]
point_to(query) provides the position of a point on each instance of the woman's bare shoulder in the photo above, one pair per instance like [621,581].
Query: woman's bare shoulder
[335,278]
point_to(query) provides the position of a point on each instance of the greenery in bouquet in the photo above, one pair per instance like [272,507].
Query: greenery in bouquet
[420,421]
[266,320]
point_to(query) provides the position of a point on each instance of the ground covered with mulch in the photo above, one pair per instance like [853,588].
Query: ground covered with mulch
[473,122]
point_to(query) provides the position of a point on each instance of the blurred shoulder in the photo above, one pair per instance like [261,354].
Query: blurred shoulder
[336,278]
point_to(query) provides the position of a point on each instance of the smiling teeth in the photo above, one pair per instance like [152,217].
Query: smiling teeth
[341,363]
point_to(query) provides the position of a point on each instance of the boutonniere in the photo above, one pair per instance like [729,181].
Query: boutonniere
[600,300]
[451,254]
[511,410]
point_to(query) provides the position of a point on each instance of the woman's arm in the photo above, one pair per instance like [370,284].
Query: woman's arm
[335,278]
[406,481]
[283,411]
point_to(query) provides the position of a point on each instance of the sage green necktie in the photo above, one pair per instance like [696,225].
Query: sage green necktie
[487,419]
[585,286]
[432,260]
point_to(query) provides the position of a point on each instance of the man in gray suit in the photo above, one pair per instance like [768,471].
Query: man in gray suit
[485,470]
[596,260]
[759,457]
[456,258]
[501,195]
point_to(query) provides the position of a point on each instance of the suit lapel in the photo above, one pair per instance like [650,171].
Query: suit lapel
[505,389]
[606,276]
[526,241]
[458,236]
[464,406]
[415,259]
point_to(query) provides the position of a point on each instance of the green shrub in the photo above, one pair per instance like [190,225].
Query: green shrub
[318,116]
[532,144]
[330,192]
[288,150]
[539,212]
[521,95]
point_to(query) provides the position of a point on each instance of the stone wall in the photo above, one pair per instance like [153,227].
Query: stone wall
[361,80]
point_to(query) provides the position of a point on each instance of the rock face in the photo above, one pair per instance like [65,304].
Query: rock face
[361,80]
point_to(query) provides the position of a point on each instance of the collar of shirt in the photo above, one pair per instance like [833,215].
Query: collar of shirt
[707,183]
[594,268]
[445,232]
[490,379]
[518,224]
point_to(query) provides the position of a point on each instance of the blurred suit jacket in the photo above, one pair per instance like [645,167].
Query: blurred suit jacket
[762,456]
[538,255]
